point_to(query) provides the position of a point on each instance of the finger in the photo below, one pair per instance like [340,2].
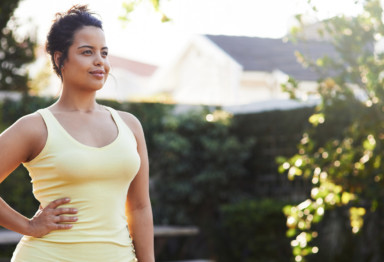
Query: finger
[61,211]
[62,219]
[54,204]
[62,226]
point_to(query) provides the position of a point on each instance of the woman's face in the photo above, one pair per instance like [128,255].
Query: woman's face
[87,65]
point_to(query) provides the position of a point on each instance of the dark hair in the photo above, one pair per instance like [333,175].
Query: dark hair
[63,29]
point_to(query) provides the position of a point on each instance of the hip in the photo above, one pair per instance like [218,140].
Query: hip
[35,250]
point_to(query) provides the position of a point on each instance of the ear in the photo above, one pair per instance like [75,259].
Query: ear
[56,56]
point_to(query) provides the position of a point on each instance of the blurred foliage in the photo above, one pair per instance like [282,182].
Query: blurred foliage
[276,133]
[41,80]
[252,230]
[129,6]
[7,7]
[346,167]
[197,166]
[15,53]
[205,159]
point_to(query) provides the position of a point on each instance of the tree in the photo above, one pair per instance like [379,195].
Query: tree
[14,53]
[342,152]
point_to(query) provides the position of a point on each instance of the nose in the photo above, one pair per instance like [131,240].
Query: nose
[99,60]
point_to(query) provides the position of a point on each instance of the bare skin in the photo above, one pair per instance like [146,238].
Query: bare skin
[84,72]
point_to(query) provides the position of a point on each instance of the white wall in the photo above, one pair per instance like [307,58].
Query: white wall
[202,74]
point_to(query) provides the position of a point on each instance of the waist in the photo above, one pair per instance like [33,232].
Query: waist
[97,222]
[95,213]
[118,236]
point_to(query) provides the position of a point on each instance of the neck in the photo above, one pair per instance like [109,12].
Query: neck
[77,101]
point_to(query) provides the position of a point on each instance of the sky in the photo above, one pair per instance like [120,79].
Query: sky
[146,39]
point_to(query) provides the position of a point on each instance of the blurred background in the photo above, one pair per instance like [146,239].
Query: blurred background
[263,119]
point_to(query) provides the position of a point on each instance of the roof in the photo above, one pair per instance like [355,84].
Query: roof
[138,68]
[268,54]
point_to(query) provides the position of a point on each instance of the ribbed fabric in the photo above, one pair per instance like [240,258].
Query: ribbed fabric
[97,181]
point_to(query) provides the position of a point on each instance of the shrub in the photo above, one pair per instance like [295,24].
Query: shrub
[252,230]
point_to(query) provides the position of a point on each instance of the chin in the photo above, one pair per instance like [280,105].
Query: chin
[98,86]
[93,87]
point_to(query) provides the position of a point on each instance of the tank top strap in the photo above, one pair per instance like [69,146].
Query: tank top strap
[120,123]
[49,119]
[116,117]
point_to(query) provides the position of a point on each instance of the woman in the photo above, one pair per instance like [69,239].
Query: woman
[82,158]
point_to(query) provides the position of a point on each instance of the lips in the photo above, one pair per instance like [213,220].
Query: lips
[98,73]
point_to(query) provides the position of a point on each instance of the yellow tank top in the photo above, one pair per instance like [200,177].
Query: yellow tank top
[97,181]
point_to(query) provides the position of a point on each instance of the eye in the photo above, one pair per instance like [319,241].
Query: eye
[87,52]
[104,53]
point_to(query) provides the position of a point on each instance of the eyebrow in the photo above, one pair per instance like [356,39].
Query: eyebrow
[91,47]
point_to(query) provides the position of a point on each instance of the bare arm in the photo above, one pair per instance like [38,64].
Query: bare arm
[20,143]
[138,205]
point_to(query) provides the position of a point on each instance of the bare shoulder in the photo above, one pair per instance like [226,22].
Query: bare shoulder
[28,124]
[31,124]
[132,122]
[25,138]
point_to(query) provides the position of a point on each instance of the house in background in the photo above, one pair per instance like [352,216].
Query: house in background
[238,71]
[201,73]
